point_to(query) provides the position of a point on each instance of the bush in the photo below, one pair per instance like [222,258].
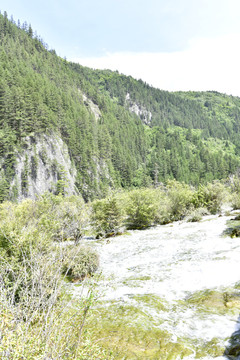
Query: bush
[234,184]
[106,217]
[39,319]
[210,196]
[63,218]
[180,197]
[27,231]
[235,201]
[197,214]
[141,208]
[79,262]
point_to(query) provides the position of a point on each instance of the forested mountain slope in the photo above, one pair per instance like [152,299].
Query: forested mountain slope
[114,130]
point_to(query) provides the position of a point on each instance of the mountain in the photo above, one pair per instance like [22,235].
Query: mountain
[67,128]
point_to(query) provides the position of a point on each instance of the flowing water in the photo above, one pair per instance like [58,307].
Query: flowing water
[170,292]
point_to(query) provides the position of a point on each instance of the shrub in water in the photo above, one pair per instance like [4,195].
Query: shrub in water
[79,262]
[197,214]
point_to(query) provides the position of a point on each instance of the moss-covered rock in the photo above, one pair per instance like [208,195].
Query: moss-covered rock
[215,301]
[152,301]
[235,233]
[211,348]
[128,332]
[208,299]
[233,349]
[232,301]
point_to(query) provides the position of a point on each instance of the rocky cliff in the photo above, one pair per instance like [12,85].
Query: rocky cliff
[43,165]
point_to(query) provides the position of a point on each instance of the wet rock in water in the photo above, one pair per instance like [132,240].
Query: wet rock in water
[233,349]
[233,301]
[235,233]
[207,299]
[215,301]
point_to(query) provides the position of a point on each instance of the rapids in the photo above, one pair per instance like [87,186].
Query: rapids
[182,278]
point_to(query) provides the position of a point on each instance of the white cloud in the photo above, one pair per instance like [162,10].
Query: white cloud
[207,64]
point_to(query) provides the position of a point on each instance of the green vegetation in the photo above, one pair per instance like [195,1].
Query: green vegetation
[106,217]
[169,160]
[77,265]
[215,301]
[197,214]
[129,333]
[142,208]
[38,317]
[190,137]
[41,250]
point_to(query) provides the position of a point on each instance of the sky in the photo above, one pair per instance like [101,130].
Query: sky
[175,45]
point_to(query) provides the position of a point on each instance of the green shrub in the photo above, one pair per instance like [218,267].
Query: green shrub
[106,217]
[197,214]
[27,234]
[234,185]
[4,188]
[63,218]
[141,208]
[235,201]
[79,262]
[180,197]
[210,196]
[39,319]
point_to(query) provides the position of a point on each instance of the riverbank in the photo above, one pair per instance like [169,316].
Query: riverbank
[42,248]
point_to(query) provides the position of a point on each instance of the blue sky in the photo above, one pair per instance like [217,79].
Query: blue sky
[171,44]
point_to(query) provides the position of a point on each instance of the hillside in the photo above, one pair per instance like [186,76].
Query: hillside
[67,128]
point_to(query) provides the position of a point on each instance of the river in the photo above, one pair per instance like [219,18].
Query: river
[171,291]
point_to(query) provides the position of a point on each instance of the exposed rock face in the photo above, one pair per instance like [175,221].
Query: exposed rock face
[43,165]
[139,110]
[91,106]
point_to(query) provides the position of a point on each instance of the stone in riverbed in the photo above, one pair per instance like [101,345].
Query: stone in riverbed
[233,349]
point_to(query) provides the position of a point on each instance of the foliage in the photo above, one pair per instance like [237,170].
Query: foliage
[190,137]
[234,185]
[79,263]
[28,231]
[63,218]
[141,208]
[210,196]
[197,214]
[38,318]
[181,199]
[54,330]
[106,216]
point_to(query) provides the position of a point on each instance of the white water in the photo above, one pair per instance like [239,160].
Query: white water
[175,260]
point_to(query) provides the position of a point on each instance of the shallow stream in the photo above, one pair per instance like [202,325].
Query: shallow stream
[170,292]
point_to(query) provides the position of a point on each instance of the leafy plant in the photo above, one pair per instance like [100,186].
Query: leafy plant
[210,196]
[39,319]
[181,199]
[106,216]
[79,262]
[141,208]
